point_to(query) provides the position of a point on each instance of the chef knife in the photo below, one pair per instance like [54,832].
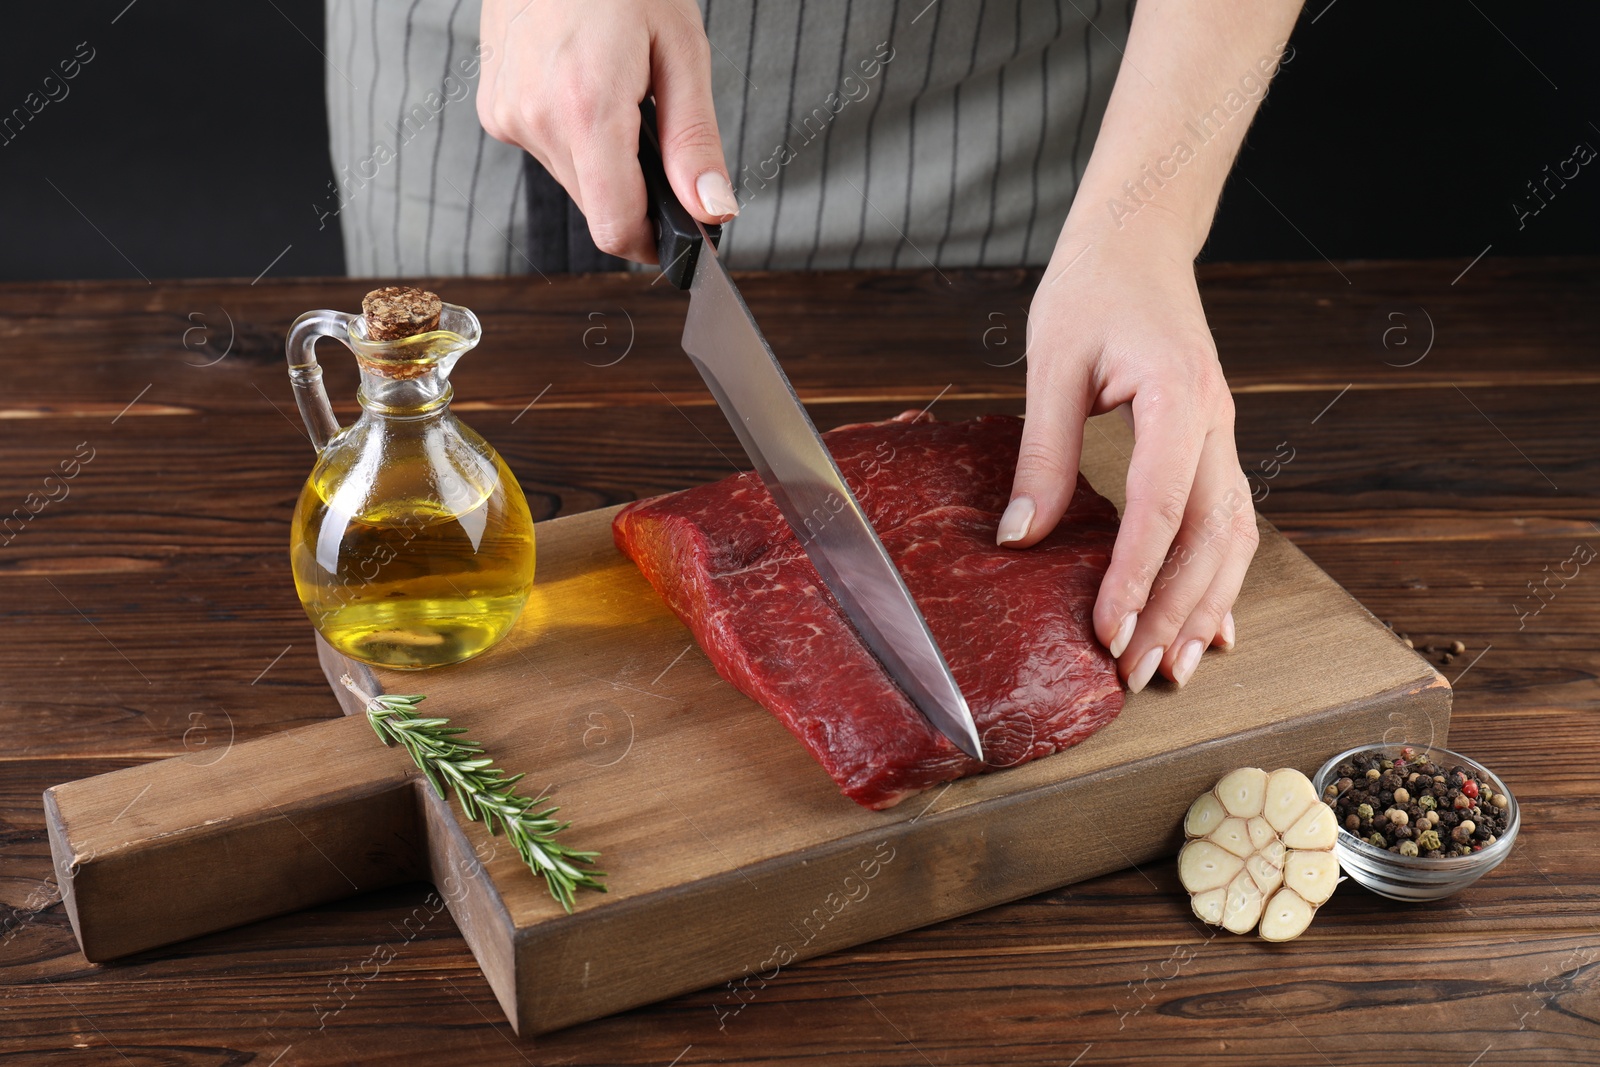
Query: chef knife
[725,344]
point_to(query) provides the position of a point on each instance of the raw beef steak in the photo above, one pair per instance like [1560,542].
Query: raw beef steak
[1014,624]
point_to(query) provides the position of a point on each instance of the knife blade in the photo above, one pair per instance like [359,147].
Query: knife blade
[726,345]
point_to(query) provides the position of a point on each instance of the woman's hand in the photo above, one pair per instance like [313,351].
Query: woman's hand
[564,82]
[1117,320]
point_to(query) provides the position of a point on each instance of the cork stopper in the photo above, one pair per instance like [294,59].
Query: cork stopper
[397,311]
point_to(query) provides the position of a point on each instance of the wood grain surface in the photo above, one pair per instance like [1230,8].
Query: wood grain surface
[150,614]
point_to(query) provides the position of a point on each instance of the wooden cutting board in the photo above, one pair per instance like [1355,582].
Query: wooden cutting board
[730,853]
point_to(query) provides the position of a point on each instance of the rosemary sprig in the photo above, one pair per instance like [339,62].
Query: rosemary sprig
[485,793]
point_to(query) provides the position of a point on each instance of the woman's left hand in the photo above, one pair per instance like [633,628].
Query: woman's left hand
[1117,320]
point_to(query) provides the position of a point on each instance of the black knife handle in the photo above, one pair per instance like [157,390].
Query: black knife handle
[677,232]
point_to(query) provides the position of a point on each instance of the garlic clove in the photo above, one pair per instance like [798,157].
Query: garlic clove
[1314,830]
[1233,835]
[1285,916]
[1267,876]
[1242,909]
[1288,795]
[1205,815]
[1243,791]
[1313,875]
[1262,832]
[1208,905]
[1204,865]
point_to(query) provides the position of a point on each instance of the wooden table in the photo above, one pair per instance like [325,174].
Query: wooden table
[150,612]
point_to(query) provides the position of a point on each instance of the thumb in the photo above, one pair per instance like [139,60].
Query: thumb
[691,145]
[1047,460]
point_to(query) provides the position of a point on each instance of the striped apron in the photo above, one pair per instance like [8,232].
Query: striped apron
[859,133]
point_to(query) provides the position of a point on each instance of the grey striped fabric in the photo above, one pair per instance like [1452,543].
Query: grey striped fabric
[421,188]
[859,133]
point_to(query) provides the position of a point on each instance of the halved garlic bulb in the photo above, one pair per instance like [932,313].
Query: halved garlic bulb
[1260,853]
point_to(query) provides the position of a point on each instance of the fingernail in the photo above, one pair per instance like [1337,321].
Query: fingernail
[1188,660]
[716,195]
[1140,677]
[1227,630]
[1015,522]
[1124,633]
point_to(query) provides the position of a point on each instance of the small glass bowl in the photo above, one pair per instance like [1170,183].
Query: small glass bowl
[1400,877]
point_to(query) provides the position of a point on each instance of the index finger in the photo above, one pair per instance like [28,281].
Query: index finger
[1052,443]
[611,191]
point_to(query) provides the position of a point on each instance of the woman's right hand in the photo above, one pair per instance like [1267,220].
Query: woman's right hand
[564,82]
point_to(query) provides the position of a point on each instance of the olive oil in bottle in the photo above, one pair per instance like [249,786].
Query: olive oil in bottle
[413,583]
[412,545]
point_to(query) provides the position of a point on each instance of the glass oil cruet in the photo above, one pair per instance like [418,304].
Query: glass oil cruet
[412,544]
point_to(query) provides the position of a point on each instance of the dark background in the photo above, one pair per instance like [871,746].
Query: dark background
[196,144]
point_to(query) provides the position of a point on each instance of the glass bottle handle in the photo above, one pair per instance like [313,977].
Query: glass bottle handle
[306,375]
